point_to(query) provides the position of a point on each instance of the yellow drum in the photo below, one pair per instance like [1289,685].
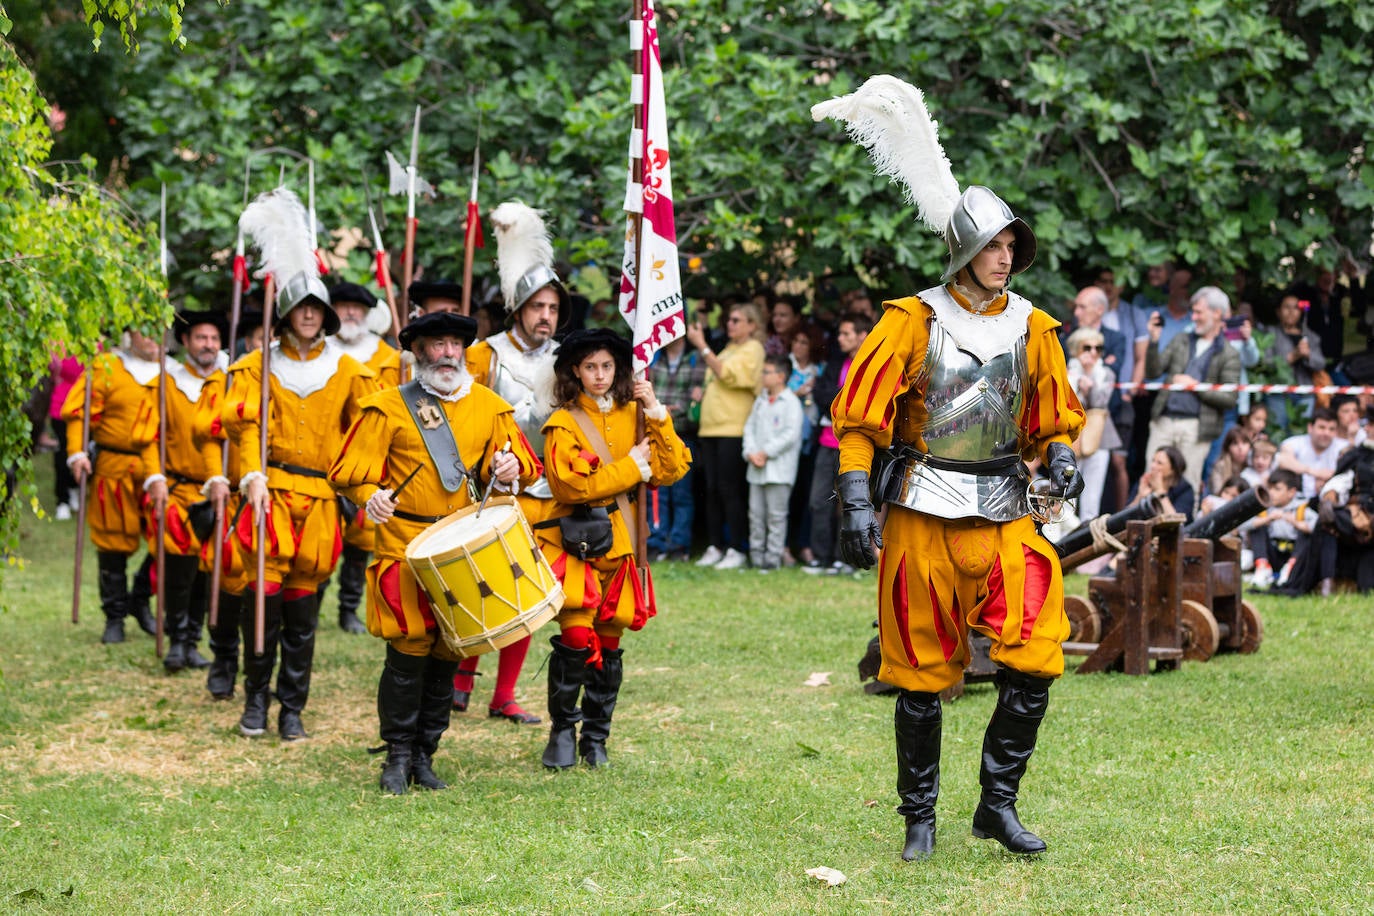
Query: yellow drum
[487,581]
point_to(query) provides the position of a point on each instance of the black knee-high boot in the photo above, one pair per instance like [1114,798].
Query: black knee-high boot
[180,574]
[195,618]
[299,618]
[917,721]
[114,594]
[257,669]
[224,645]
[1007,747]
[436,706]
[399,695]
[140,593]
[352,583]
[599,697]
[567,673]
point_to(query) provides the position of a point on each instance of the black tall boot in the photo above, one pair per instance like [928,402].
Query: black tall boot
[917,721]
[140,593]
[1007,747]
[298,621]
[436,705]
[195,618]
[114,594]
[567,673]
[257,669]
[179,573]
[598,705]
[224,644]
[352,582]
[399,696]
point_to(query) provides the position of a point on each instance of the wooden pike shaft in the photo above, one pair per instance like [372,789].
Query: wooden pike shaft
[260,592]
[84,489]
[217,550]
[160,512]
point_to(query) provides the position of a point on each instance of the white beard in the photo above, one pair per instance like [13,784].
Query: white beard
[351,331]
[448,383]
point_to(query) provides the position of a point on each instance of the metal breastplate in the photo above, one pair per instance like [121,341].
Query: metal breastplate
[972,410]
[514,381]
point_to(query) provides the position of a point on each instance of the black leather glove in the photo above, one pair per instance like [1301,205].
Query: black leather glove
[1065,480]
[859,525]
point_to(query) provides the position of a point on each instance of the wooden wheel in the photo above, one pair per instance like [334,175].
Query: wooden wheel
[1201,635]
[1085,623]
[1251,629]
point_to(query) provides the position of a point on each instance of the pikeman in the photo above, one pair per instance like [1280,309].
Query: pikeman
[191,476]
[314,393]
[123,422]
[518,365]
[386,465]
[234,574]
[361,321]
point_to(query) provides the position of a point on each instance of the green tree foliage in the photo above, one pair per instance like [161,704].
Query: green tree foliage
[1227,134]
[74,266]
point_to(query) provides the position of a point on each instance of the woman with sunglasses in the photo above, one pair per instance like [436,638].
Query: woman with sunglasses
[1094,383]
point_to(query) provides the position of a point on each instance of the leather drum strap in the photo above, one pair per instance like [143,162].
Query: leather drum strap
[432,422]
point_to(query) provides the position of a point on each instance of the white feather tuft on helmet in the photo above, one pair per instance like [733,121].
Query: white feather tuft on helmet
[888,117]
[524,252]
[279,226]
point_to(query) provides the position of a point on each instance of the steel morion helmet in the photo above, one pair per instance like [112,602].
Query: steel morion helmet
[524,259]
[977,219]
[278,224]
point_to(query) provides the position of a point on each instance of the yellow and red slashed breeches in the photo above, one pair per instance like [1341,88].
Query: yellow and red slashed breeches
[938,578]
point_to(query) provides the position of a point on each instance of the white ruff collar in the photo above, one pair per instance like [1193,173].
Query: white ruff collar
[304,377]
[605,403]
[143,370]
[362,349]
[985,336]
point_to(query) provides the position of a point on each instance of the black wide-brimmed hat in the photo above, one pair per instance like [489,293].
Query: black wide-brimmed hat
[581,343]
[436,324]
[186,320]
[419,291]
[352,292]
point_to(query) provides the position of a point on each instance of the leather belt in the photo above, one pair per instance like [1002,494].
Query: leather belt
[553,522]
[297,469]
[117,451]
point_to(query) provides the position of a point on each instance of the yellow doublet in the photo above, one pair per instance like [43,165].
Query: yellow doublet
[305,430]
[938,578]
[380,451]
[604,593]
[123,424]
[207,427]
[385,361]
[190,462]
[478,358]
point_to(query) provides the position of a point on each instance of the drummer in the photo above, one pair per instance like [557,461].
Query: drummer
[387,463]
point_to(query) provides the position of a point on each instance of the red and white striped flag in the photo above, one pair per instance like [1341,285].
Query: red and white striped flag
[650,286]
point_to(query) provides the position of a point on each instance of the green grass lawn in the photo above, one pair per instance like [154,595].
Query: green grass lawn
[1238,785]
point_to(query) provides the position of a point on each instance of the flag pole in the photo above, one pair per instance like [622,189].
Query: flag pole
[637,220]
[470,236]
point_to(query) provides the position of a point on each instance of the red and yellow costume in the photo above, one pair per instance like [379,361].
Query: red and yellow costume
[604,594]
[314,399]
[938,578]
[380,450]
[123,426]
[191,460]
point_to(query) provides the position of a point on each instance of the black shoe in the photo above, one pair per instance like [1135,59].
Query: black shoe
[511,712]
[289,726]
[254,719]
[194,659]
[396,771]
[460,699]
[144,618]
[175,659]
[349,623]
[422,773]
[114,630]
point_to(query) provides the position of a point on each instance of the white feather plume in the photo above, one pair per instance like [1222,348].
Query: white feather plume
[888,117]
[279,226]
[522,242]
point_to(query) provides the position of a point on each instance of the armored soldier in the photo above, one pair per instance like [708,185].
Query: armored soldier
[518,365]
[961,383]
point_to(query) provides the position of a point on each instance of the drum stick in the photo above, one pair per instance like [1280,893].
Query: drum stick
[409,477]
[491,484]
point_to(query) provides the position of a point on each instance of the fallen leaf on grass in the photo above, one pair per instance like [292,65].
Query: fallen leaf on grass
[831,876]
[807,750]
[871,803]
[590,886]
[818,679]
